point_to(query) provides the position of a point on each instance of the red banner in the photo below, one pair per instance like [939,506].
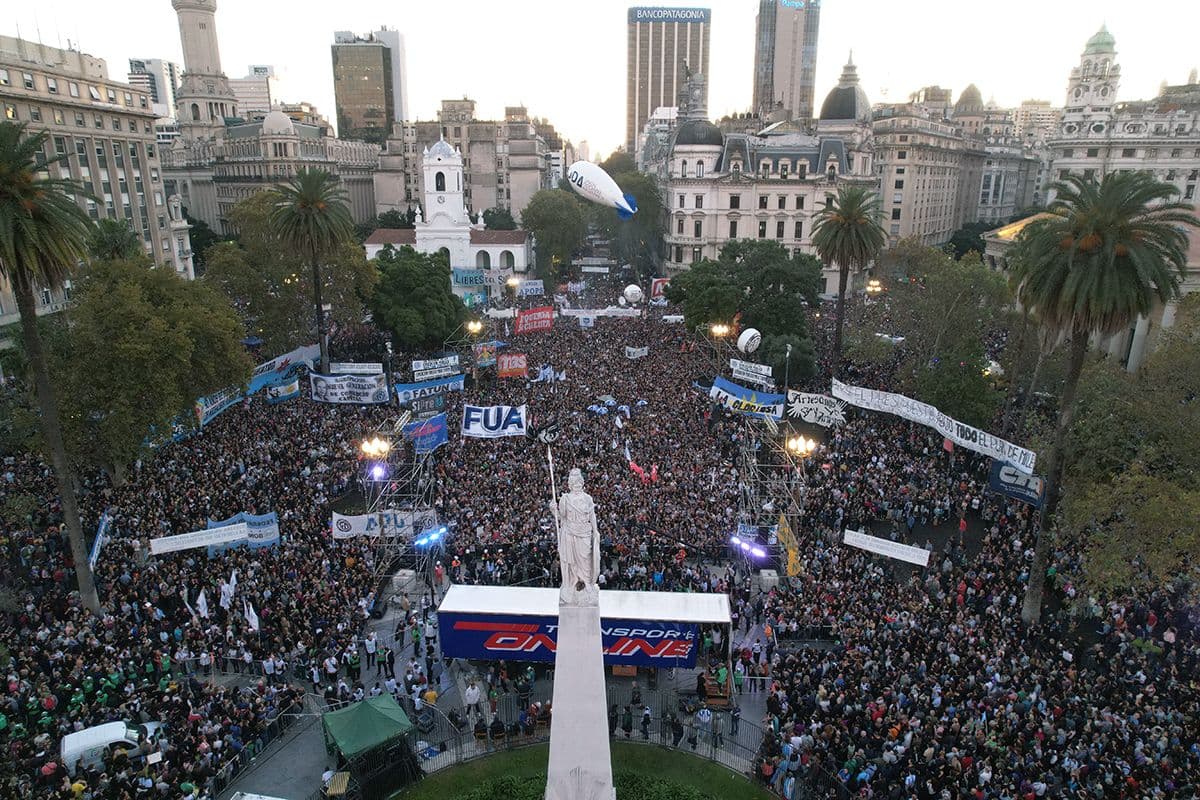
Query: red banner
[513,365]
[658,287]
[535,319]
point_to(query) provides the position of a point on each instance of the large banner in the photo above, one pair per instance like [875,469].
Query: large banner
[493,422]
[408,392]
[428,435]
[468,277]
[349,368]
[1011,482]
[283,391]
[925,414]
[749,372]
[531,288]
[348,388]
[101,535]
[658,287]
[432,368]
[282,366]
[485,354]
[201,538]
[212,406]
[535,319]
[611,311]
[886,547]
[518,637]
[389,524]
[513,365]
[637,352]
[747,401]
[816,409]
[576,287]
[262,530]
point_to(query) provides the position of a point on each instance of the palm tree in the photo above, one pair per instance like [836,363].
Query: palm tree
[43,235]
[310,215]
[1104,255]
[114,240]
[847,233]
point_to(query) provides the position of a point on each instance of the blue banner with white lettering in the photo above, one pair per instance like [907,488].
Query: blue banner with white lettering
[750,402]
[516,637]
[407,392]
[428,435]
[263,531]
[1011,482]
[468,277]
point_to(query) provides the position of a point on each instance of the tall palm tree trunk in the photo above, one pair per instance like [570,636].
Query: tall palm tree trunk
[843,277]
[1031,609]
[1014,375]
[1027,402]
[52,431]
[320,313]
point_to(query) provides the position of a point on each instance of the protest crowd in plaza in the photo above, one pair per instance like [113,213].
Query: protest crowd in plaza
[936,690]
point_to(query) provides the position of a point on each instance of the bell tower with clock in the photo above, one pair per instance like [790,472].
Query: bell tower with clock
[443,224]
[1092,88]
[205,98]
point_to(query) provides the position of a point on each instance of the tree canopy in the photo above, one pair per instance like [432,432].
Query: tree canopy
[969,238]
[113,239]
[499,219]
[391,219]
[637,240]
[556,220]
[203,237]
[413,299]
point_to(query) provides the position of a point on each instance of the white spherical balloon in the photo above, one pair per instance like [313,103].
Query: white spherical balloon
[633,293]
[621,301]
[749,341]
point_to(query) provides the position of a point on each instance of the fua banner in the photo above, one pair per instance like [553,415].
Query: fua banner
[408,392]
[886,547]
[283,391]
[1011,482]
[925,414]
[816,409]
[348,388]
[402,524]
[493,422]
[637,352]
[747,401]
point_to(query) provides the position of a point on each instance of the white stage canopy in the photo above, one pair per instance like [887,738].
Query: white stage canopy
[694,607]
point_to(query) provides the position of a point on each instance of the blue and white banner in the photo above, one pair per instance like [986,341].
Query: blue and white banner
[101,535]
[283,391]
[283,366]
[531,288]
[1011,482]
[212,406]
[428,435]
[587,322]
[637,352]
[262,530]
[519,637]
[407,392]
[358,389]
[390,524]
[747,401]
[433,368]
[494,422]
[468,277]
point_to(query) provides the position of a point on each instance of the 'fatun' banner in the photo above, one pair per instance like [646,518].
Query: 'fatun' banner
[925,414]
[410,392]
[746,401]
[349,388]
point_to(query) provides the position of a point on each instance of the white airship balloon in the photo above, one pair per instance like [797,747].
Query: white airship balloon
[596,185]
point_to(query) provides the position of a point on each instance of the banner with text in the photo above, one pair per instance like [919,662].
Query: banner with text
[747,401]
[428,435]
[212,406]
[531,288]
[262,530]
[816,409]
[282,366]
[201,538]
[513,365]
[749,372]
[586,322]
[283,391]
[432,368]
[925,414]
[535,319]
[658,287]
[348,368]
[485,354]
[348,388]
[493,422]
[389,524]
[611,311]
[637,352]
[409,392]
[1011,482]
[886,547]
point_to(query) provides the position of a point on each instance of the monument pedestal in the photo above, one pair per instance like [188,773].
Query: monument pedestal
[580,758]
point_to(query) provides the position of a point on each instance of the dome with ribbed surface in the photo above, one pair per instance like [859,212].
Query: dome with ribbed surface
[278,123]
[699,132]
[969,102]
[1101,42]
[847,100]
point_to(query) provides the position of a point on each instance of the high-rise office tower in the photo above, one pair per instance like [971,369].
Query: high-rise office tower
[785,56]
[369,84]
[665,44]
[160,79]
[256,93]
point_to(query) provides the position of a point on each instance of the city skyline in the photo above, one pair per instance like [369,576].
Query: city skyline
[895,55]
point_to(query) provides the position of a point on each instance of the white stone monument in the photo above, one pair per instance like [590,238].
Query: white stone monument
[580,760]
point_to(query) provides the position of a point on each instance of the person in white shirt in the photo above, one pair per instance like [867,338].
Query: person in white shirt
[370,645]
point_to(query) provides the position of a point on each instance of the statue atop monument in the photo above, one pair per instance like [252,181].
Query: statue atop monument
[578,545]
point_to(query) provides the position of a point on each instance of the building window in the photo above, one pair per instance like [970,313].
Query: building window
[4,79]
[898,197]
[799,202]
[59,117]
[679,226]
[696,254]
[895,213]
[733,228]
[28,78]
[899,170]
[681,201]
[129,99]
[112,96]
[901,154]
[762,229]
[699,169]
[94,93]
[699,201]
[1093,152]
[735,201]
[799,234]
[10,111]
[1176,152]
[762,201]
[737,167]
[60,145]
[697,228]
[895,230]
[116,123]
[73,88]
[779,229]
[782,202]
[439,182]
[683,169]
[45,297]
[1128,152]
[783,171]
[678,254]
[900,184]
[1189,192]
[52,85]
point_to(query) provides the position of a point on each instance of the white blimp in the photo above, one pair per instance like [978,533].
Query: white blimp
[596,185]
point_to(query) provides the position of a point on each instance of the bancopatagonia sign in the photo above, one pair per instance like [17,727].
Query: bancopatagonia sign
[670,15]
[493,422]
[528,638]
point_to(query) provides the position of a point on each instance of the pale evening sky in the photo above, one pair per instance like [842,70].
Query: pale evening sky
[566,61]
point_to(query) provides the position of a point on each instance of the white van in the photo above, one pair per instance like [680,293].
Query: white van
[95,743]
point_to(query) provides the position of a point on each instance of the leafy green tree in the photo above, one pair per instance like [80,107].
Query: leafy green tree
[413,299]
[270,287]
[776,285]
[499,219]
[969,238]
[164,341]
[954,382]
[847,233]
[792,369]
[113,239]
[203,237]
[637,240]
[556,220]
[707,293]
[1103,255]
[310,215]
[43,235]
[391,220]
[618,163]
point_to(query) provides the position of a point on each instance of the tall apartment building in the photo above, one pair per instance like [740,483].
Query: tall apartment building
[369,84]
[664,45]
[256,93]
[504,161]
[1035,121]
[785,56]
[160,80]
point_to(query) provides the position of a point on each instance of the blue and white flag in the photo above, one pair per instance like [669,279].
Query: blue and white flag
[427,435]
[283,391]
[262,530]
[494,422]
[408,392]
[587,321]
[747,401]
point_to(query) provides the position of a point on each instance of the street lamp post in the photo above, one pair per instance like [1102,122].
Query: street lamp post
[376,449]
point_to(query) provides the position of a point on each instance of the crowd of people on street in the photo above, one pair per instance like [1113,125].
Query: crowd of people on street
[924,682]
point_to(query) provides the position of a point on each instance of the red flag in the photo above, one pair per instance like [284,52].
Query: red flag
[948,445]
[654,472]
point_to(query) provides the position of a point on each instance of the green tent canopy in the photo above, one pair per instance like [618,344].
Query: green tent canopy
[366,725]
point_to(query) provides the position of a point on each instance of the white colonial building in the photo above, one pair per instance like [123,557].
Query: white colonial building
[445,226]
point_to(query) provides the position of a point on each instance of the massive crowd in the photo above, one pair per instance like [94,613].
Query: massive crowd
[936,690]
